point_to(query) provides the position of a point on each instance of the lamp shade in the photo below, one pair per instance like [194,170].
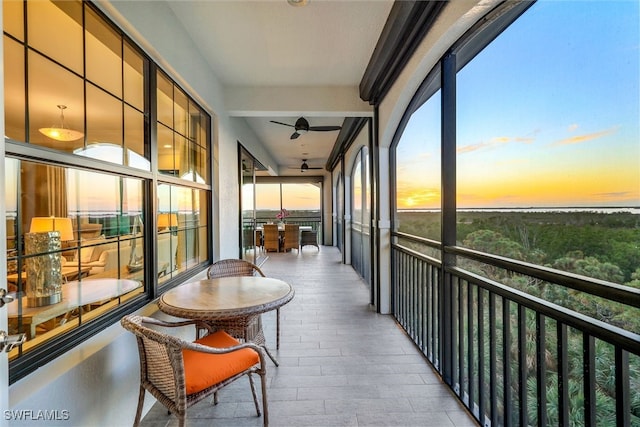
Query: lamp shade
[50,223]
[59,132]
[166,220]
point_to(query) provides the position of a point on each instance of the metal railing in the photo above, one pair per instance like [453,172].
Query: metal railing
[513,358]
[314,222]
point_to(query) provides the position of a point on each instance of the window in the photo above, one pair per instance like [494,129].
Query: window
[418,186]
[361,215]
[548,121]
[80,181]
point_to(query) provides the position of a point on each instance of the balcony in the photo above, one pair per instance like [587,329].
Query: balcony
[340,362]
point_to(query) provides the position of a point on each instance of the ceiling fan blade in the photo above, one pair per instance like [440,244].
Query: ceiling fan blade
[324,128]
[280,123]
[295,135]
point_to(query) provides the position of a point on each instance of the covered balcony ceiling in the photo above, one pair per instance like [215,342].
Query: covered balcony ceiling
[280,62]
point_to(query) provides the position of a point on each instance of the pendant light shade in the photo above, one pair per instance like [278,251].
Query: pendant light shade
[60,132]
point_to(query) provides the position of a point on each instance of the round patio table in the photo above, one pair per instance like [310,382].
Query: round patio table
[233,304]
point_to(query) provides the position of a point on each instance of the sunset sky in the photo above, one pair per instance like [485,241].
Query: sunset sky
[548,115]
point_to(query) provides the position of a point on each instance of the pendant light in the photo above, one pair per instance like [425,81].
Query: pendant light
[61,133]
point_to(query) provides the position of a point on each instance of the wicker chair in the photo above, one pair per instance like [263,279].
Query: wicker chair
[233,267]
[292,237]
[240,267]
[179,373]
[271,237]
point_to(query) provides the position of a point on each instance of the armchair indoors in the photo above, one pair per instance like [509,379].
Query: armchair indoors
[180,373]
[271,237]
[291,237]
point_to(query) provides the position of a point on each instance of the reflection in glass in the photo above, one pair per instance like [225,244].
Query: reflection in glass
[103,54]
[12,19]
[45,21]
[101,240]
[49,86]
[104,118]
[134,138]
[134,65]
[164,100]
[14,97]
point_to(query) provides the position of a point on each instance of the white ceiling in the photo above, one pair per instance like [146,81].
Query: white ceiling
[308,61]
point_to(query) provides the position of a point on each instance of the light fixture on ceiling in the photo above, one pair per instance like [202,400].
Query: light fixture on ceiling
[298,3]
[59,132]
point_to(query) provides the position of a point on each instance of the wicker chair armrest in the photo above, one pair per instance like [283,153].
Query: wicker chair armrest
[224,350]
[165,324]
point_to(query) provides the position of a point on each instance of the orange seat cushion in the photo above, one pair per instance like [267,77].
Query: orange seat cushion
[203,370]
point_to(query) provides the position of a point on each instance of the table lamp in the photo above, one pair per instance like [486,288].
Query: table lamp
[167,220]
[44,272]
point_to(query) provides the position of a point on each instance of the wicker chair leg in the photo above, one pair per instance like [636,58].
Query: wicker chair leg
[136,422]
[265,407]
[278,328]
[273,359]
[254,393]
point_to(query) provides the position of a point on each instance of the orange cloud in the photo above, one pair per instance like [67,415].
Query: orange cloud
[498,140]
[579,139]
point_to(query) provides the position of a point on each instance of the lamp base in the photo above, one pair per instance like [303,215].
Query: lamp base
[46,300]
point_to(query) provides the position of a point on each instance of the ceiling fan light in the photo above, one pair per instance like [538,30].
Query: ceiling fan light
[298,3]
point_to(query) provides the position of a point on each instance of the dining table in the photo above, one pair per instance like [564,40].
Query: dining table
[233,304]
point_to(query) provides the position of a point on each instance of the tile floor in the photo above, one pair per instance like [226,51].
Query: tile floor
[341,364]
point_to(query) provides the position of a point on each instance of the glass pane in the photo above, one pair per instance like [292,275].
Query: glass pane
[12,18]
[165,100]
[204,141]
[356,182]
[55,29]
[418,184]
[104,121]
[103,54]
[75,240]
[14,102]
[134,139]
[165,151]
[182,158]
[181,108]
[133,77]
[49,86]
[11,176]
[195,120]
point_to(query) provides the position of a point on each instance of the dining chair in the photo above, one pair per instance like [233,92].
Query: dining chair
[291,237]
[271,237]
[240,267]
[180,373]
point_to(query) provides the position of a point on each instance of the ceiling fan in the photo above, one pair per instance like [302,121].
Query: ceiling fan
[305,167]
[302,126]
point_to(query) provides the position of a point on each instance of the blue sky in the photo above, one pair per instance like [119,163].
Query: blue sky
[548,114]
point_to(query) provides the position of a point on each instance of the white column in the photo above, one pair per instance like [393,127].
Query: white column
[384,225]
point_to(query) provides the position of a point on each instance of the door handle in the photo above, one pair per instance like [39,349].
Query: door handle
[4,298]
[9,342]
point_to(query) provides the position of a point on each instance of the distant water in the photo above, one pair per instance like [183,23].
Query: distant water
[635,211]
